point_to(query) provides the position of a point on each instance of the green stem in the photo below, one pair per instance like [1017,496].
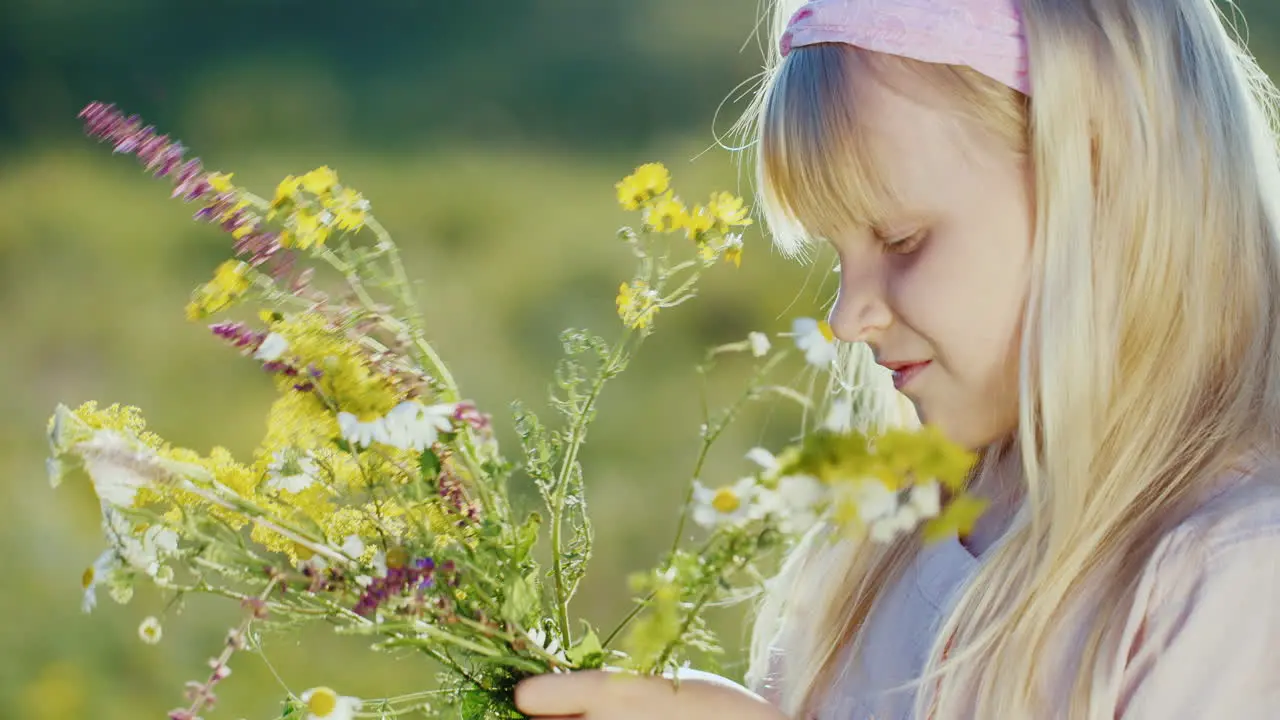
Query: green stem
[577,434]
[713,434]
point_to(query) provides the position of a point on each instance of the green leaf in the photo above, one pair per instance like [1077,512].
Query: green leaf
[520,600]
[527,537]
[429,463]
[588,645]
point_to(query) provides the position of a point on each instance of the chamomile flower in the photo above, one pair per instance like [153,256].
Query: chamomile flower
[361,433]
[322,703]
[539,637]
[272,348]
[926,498]
[150,631]
[759,343]
[765,459]
[815,339]
[414,426]
[291,471]
[726,505]
[795,502]
[96,574]
[887,515]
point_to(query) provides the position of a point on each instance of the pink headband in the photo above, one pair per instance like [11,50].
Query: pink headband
[985,35]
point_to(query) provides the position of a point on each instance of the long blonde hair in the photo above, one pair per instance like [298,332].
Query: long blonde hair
[1149,355]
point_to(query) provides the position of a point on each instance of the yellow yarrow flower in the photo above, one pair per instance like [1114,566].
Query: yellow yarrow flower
[648,181]
[346,377]
[637,304]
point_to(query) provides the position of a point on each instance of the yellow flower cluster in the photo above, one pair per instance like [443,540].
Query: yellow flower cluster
[637,304]
[711,226]
[896,458]
[230,282]
[314,205]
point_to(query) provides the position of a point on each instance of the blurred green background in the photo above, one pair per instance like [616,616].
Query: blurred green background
[488,137]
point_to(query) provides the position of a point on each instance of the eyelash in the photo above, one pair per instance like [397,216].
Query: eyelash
[906,245]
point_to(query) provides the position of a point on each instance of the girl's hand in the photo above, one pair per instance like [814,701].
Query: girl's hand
[604,695]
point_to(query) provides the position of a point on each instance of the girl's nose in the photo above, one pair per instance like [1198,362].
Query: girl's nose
[860,313]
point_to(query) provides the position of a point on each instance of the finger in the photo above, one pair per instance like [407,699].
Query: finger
[557,694]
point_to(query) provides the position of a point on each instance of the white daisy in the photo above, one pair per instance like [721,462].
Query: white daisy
[291,472]
[926,498]
[795,502]
[361,433]
[272,347]
[99,572]
[760,344]
[815,339]
[322,703]
[142,553]
[547,642]
[150,631]
[725,505]
[414,426]
[765,459]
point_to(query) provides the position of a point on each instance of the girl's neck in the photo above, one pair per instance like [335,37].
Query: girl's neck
[999,482]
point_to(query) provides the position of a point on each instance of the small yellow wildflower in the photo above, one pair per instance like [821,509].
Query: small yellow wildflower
[664,213]
[309,229]
[230,281]
[320,181]
[286,191]
[728,211]
[697,223]
[349,209]
[637,304]
[221,182]
[648,181]
[733,249]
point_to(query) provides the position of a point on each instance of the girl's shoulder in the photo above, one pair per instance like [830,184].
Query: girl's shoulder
[1241,505]
[1201,636]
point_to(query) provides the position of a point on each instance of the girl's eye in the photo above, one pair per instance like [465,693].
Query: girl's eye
[905,245]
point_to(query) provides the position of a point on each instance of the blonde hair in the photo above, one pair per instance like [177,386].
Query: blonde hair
[1149,355]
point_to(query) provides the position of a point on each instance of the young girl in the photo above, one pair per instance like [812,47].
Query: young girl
[1057,223]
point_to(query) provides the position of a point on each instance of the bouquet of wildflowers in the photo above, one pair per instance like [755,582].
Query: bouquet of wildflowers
[377,502]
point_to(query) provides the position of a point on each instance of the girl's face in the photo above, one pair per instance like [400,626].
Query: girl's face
[944,281]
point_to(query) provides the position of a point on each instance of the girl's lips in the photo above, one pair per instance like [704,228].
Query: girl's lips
[903,374]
